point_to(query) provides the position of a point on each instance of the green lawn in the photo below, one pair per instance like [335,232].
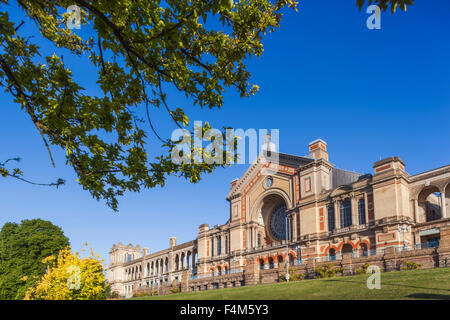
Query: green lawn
[416,284]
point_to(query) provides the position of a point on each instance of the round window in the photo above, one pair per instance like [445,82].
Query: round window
[269,182]
[277,223]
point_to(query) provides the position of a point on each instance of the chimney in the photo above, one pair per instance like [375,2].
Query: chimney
[318,150]
[203,227]
[234,182]
[172,242]
[389,164]
[144,252]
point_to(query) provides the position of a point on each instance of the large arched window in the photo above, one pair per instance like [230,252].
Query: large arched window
[277,222]
[346,213]
[362,211]
[331,222]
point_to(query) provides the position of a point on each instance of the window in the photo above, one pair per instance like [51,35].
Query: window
[331,222]
[212,247]
[219,245]
[346,214]
[362,211]
[226,244]
[259,239]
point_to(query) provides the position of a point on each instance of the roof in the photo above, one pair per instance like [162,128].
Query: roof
[341,177]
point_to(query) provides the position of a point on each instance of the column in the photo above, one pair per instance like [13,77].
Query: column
[416,210]
[366,208]
[443,208]
[354,208]
[294,227]
[337,214]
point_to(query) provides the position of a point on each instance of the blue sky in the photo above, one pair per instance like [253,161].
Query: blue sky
[369,94]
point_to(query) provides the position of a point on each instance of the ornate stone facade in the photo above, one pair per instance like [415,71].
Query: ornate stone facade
[303,210]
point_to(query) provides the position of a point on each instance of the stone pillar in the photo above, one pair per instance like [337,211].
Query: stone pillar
[444,247]
[416,210]
[347,264]
[443,208]
[294,226]
[366,209]
[310,269]
[390,259]
[337,215]
[354,208]
[185,281]
[251,272]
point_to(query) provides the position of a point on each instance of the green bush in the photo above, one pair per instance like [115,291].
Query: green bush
[292,276]
[175,290]
[411,265]
[327,271]
[141,294]
[363,268]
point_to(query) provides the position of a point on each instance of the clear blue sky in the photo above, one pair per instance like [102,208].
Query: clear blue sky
[369,94]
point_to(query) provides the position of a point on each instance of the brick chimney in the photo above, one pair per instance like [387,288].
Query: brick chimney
[318,149]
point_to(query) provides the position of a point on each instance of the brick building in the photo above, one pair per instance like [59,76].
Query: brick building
[296,210]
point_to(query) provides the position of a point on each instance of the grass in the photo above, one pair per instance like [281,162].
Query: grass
[414,284]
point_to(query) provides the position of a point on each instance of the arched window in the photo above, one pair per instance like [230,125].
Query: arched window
[271,265]
[261,264]
[347,248]
[291,259]
[182,260]
[362,211]
[188,260]
[346,214]
[280,259]
[332,254]
[331,221]
[364,250]
[177,261]
[219,270]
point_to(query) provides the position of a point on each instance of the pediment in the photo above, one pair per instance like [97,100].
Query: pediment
[287,165]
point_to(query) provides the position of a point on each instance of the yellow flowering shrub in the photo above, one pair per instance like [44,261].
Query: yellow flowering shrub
[70,277]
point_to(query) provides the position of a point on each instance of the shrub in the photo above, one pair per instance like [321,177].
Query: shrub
[70,277]
[327,271]
[363,268]
[292,276]
[411,265]
[141,294]
[175,290]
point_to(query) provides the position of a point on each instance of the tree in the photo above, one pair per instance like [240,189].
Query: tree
[138,51]
[22,248]
[384,4]
[70,277]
